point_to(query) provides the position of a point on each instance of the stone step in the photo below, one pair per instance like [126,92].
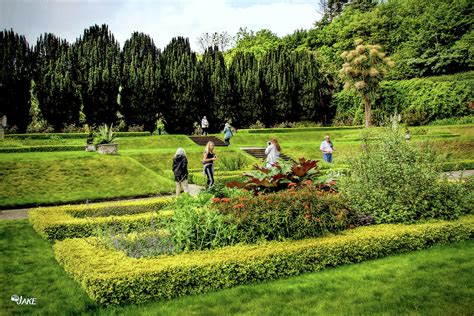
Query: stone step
[260,153]
[203,140]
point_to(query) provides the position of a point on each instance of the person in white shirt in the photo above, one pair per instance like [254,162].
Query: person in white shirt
[273,152]
[327,148]
[204,125]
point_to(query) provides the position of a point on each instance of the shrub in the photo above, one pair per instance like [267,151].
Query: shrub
[296,214]
[397,182]
[233,162]
[72,221]
[106,135]
[136,128]
[277,178]
[111,277]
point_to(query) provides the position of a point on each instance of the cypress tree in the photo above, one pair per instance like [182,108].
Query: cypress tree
[98,61]
[246,91]
[183,86]
[58,95]
[141,102]
[217,102]
[15,78]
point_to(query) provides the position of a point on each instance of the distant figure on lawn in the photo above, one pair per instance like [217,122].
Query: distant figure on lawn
[180,170]
[227,134]
[208,161]
[204,125]
[273,152]
[327,148]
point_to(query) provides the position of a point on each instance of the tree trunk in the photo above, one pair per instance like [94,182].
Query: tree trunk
[368,111]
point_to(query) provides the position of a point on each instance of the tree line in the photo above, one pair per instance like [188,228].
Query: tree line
[92,82]
[262,78]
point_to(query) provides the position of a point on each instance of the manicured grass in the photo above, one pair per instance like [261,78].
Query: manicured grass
[59,177]
[39,182]
[430,282]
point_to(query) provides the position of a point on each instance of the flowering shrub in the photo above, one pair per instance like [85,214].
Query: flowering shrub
[296,213]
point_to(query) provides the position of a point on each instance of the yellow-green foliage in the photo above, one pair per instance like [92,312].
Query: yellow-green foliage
[110,277]
[72,221]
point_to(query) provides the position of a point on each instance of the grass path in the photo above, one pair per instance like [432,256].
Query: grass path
[436,281]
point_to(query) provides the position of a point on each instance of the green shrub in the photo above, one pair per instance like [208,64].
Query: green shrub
[75,221]
[420,101]
[69,135]
[295,214]
[111,277]
[233,162]
[42,148]
[397,182]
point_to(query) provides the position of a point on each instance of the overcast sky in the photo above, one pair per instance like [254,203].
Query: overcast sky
[161,19]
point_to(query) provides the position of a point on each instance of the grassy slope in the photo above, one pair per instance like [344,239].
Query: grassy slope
[60,177]
[434,281]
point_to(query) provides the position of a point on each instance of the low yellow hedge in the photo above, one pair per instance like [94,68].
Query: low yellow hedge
[110,277]
[72,221]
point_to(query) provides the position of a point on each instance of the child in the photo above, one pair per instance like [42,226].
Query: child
[180,169]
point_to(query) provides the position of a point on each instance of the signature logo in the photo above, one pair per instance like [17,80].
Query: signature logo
[20,300]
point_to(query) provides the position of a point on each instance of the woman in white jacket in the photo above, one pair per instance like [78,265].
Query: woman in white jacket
[273,152]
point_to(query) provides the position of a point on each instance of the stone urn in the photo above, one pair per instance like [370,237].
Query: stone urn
[107,149]
[90,147]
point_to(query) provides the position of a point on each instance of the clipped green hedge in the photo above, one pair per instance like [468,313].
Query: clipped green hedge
[76,221]
[42,148]
[110,277]
[69,135]
[298,129]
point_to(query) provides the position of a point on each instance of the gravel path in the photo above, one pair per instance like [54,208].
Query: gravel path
[23,212]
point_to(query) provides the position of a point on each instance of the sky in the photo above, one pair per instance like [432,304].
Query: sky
[161,19]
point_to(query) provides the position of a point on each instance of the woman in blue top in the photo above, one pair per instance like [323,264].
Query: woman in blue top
[208,160]
[227,134]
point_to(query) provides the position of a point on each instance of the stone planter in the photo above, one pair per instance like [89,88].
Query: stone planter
[107,149]
[90,147]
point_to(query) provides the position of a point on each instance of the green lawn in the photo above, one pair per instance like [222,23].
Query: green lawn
[430,282]
[40,178]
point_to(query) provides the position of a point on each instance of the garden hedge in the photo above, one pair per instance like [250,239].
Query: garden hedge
[110,277]
[42,148]
[76,221]
[70,135]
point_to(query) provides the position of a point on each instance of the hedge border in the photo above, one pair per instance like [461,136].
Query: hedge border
[70,135]
[77,221]
[110,277]
[49,148]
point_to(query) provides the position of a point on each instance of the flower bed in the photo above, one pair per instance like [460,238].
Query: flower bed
[110,277]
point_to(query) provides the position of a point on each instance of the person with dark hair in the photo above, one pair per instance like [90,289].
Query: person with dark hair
[273,152]
[208,160]
[180,170]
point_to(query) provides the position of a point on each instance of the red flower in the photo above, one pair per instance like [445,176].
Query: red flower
[238,205]
[216,200]
[307,216]
[306,206]
[225,200]
[308,182]
[291,184]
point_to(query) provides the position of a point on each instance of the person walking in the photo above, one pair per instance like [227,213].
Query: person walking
[208,160]
[273,152]
[180,170]
[327,148]
[227,134]
[204,125]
